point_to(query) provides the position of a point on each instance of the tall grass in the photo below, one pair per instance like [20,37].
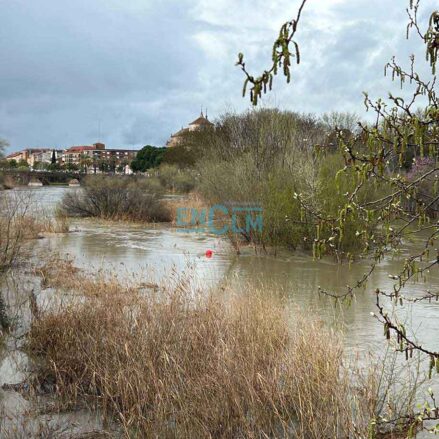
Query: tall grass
[21,220]
[175,361]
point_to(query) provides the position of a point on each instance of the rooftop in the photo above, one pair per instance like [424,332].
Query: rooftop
[80,148]
[202,120]
[27,150]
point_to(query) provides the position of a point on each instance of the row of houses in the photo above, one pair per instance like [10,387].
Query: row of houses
[80,156]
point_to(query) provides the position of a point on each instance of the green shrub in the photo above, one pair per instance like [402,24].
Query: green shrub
[175,179]
[269,164]
[334,184]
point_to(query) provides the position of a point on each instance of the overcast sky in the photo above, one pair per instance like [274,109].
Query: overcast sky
[143,68]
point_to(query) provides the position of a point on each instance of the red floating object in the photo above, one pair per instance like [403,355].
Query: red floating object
[209,253]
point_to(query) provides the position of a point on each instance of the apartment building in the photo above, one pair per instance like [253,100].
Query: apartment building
[96,154]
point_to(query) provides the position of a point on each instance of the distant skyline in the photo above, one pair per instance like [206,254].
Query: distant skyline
[136,71]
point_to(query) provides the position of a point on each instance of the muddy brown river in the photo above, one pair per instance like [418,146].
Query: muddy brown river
[158,250]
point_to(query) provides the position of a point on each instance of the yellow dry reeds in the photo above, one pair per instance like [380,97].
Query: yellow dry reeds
[19,222]
[173,361]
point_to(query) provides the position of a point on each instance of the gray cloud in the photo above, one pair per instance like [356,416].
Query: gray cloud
[143,68]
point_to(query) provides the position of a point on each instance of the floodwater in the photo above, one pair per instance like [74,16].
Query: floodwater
[160,250]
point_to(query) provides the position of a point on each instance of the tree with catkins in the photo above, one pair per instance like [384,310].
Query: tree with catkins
[399,150]
[282,58]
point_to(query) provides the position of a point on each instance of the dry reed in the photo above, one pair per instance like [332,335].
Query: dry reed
[172,361]
[20,221]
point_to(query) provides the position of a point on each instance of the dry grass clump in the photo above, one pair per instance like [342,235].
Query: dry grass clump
[19,222]
[7,182]
[47,223]
[177,362]
[34,225]
[62,274]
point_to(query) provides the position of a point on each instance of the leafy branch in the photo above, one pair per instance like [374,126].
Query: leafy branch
[281,59]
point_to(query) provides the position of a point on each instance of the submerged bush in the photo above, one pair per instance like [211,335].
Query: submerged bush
[269,158]
[116,198]
[12,232]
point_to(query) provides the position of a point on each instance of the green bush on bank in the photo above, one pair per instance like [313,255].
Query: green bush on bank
[175,179]
[268,157]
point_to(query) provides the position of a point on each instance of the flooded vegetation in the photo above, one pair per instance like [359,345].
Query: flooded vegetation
[128,199]
[145,299]
[270,274]
[173,360]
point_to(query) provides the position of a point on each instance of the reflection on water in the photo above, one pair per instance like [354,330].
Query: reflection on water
[157,250]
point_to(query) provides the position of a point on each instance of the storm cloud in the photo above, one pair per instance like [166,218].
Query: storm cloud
[131,72]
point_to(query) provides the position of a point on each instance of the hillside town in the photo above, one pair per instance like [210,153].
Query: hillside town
[95,158]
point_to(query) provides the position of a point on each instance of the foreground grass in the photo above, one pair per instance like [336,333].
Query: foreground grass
[172,361]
